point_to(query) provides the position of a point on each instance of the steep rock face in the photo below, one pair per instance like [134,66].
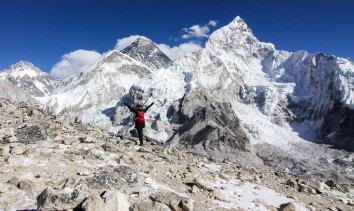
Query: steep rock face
[92,92]
[13,93]
[212,128]
[31,79]
[145,51]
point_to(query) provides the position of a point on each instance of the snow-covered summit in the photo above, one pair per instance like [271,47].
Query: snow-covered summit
[94,90]
[145,51]
[22,69]
[30,78]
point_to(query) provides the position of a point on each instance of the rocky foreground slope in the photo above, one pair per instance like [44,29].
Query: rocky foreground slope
[55,162]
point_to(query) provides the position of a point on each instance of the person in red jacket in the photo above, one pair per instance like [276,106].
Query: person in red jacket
[139,120]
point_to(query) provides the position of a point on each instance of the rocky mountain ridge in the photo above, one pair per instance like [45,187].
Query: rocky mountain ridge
[55,162]
[30,78]
[145,51]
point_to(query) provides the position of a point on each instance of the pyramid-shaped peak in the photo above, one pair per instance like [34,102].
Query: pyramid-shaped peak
[22,64]
[23,69]
[143,40]
[147,52]
[239,23]
[236,33]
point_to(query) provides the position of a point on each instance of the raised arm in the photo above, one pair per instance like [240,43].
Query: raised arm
[130,108]
[147,108]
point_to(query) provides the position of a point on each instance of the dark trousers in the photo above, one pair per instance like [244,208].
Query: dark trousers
[139,127]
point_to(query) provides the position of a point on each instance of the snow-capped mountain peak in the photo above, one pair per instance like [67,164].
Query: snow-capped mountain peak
[30,78]
[145,51]
[22,69]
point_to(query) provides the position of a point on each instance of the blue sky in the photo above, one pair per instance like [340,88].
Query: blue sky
[45,32]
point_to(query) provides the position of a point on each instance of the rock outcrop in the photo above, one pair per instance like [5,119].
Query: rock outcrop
[212,129]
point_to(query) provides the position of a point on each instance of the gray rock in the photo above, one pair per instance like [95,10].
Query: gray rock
[89,140]
[116,201]
[149,206]
[27,185]
[94,203]
[318,186]
[30,133]
[292,183]
[103,180]
[288,207]
[3,188]
[18,150]
[306,189]
[203,183]
[49,199]
[173,201]
[126,174]
[14,181]
[4,150]
[110,147]
[330,183]
[92,154]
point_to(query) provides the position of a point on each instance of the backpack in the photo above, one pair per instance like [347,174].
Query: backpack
[140,117]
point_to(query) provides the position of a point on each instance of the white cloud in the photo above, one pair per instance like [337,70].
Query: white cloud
[125,42]
[72,62]
[198,31]
[212,23]
[177,52]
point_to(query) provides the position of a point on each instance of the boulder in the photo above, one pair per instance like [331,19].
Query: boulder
[116,201]
[4,150]
[94,203]
[10,139]
[288,207]
[49,199]
[173,201]
[31,133]
[218,196]
[14,181]
[203,183]
[149,206]
[330,183]
[110,147]
[103,179]
[292,183]
[27,185]
[18,150]
[88,140]
[318,186]
[3,188]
